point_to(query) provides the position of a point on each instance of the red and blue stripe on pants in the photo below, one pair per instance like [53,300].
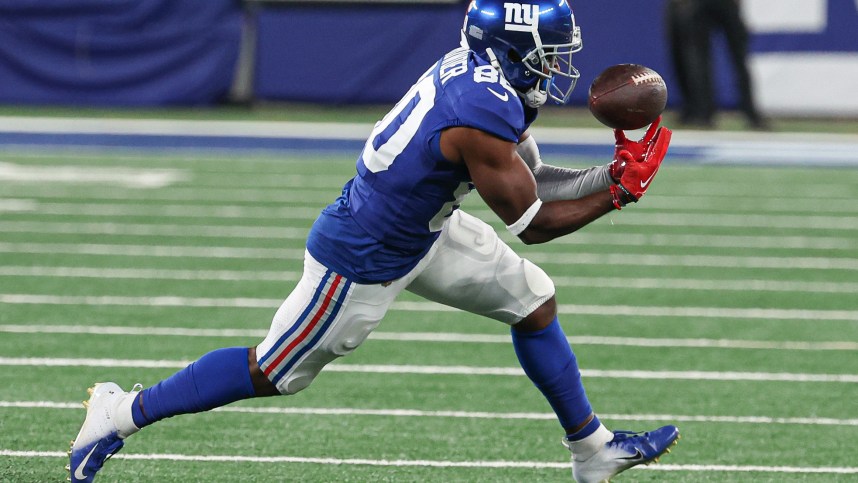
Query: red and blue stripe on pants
[308,329]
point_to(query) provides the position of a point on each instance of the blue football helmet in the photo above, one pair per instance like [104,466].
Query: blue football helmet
[531,44]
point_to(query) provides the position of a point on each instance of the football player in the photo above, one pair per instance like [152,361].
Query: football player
[397,226]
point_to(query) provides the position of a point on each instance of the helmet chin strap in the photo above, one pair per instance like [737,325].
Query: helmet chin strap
[493,60]
[536,97]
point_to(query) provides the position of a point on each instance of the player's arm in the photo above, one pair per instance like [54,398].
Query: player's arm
[509,188]
[558,183]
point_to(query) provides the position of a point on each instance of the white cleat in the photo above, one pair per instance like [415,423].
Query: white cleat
[626,450]
[108,422]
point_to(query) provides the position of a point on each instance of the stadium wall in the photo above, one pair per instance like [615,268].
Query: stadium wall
[118,52]
[163,52]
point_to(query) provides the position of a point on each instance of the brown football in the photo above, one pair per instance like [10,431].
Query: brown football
[627,96]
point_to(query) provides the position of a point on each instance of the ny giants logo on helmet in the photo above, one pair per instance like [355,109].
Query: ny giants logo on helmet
[521,17]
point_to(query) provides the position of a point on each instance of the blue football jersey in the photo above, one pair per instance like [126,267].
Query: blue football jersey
[392,211]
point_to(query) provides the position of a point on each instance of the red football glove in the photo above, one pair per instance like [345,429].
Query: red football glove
[635,148]
[636,173]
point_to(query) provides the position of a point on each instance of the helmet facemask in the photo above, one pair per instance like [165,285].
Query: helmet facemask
[550,64]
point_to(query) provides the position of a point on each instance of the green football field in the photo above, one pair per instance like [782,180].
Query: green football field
[726,302]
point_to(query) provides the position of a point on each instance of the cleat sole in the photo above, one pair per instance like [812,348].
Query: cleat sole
[666,451]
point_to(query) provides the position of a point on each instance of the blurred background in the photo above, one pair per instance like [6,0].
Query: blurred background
[803,54]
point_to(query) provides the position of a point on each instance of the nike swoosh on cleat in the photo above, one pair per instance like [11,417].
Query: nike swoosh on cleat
[645,183]
[78,472]
[504,97]
[637,456]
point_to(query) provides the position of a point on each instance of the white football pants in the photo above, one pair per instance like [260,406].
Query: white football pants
[327,316]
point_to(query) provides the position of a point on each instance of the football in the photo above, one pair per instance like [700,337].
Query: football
[627,96]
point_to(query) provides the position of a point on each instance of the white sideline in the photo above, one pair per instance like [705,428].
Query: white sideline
[436,463]
[359,131]
[440,337]
[454,370]
[571,309]
[476,414]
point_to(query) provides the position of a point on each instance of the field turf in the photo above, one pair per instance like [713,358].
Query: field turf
[725,303]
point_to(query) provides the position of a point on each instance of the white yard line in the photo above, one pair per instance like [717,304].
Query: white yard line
[757,220]
[800,242]
[416,413]
[111,175]
[581,258]
[149,273]
[234,194]
[439,463]
[455,370]
[748,201]
[647,218]
[560,281]
[15,205]
[179,210]
[440,337]
[189,231]
[707,284]
[610,310]
[623,341]
[153,250]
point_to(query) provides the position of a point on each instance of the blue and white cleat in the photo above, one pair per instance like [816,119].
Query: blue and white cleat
[626,450]
[108,422]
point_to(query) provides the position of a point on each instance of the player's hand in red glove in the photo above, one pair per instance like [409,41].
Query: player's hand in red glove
[637,172]
[635,148]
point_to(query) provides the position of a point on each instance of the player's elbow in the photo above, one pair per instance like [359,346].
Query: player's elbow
[532,237]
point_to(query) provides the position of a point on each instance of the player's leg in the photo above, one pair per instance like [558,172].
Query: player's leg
[737,37]
[223,376]
[334,318]
[325,316]
[699,100]
[546,357]
[475,271]
[597,453]
[677,26]
[216,379]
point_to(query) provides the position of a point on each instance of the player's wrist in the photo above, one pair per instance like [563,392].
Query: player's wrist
[615,169]
[620,196]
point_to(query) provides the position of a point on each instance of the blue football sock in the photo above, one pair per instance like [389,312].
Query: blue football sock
[548,361]
[216,379]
